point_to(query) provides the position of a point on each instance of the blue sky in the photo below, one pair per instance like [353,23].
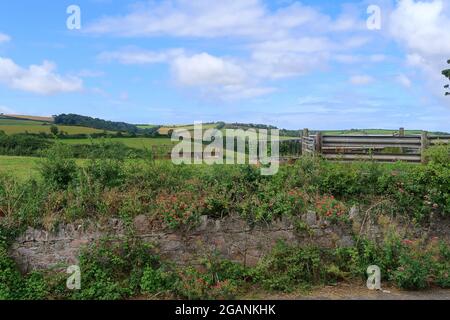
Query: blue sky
[292,64]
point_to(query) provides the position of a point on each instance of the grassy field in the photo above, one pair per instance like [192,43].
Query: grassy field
[146,126]
[21,167]
[165,130]
[38,128]
[33,118]
[24,168]
[15,126]
[137,143]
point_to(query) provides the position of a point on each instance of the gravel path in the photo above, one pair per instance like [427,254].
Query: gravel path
[346,291]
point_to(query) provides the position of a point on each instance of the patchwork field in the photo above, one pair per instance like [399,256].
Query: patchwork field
[138,143]
[33,118]
[15,126]
[165,130]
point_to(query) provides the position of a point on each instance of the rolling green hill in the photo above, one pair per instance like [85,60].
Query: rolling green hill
[23,124]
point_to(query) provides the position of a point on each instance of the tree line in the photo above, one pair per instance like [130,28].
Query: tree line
[96,123]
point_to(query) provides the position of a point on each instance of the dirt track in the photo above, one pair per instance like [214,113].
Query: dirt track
[346,291]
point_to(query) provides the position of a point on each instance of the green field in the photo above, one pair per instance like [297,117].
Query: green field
[20,167]
[165,130]
[33,128]
[23,168]
[15,126]
[137,143]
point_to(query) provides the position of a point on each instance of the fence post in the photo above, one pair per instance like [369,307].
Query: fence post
[304,134]
[401,133]
[318,143]
[423,145]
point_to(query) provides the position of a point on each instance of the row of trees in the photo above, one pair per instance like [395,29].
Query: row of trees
[84,121]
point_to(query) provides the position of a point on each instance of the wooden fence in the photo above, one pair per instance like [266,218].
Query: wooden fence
[386,148]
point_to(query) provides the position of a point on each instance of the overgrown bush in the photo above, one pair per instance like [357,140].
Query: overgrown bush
[106,172]
[58,168]
[157,280]
[289,268]
[22,145]
[113,269]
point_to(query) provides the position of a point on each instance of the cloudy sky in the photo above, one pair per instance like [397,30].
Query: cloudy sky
[294,64]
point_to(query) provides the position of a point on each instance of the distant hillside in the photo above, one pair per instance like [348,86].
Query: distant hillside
[96,123]
[29,124]
[22,117]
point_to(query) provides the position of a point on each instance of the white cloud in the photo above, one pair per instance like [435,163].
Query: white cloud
[289,41]
[139,56]
[87,73]
[355,58]
[422,26]
[218,76]
[205,18]
[360,80]
[204,69]
[39,79]
[4,38]
[403,80]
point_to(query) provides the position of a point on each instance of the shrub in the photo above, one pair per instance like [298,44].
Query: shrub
[438,155]
[113,270]
[413,271]
[36,287]
[155,281]
[58,168]
[442,266]
[10,278]
[289,268]
[196,285]
[331,209]
[22,145]
[106,172]
[179,209]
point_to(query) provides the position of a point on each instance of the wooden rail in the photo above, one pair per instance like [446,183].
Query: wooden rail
[386,148]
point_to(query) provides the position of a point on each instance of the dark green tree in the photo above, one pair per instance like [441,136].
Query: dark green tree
[446,74]
[54,129]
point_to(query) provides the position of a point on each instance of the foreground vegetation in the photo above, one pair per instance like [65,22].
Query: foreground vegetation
[107,184]
[129,269]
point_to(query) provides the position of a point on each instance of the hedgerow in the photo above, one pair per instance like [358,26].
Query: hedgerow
[177,196]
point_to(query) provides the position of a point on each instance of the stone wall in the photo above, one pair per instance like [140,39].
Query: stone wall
[231,237]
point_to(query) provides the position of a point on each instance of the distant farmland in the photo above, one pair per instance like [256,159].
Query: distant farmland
[137,143]
[15,125]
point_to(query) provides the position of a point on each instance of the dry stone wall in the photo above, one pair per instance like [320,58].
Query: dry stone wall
[231,237]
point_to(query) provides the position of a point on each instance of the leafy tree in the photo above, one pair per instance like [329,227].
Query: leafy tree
[54,130]
[78,120]
[446,74]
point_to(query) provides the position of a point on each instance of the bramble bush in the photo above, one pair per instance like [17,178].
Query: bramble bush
[113,269]
[331,209]
[58,169]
